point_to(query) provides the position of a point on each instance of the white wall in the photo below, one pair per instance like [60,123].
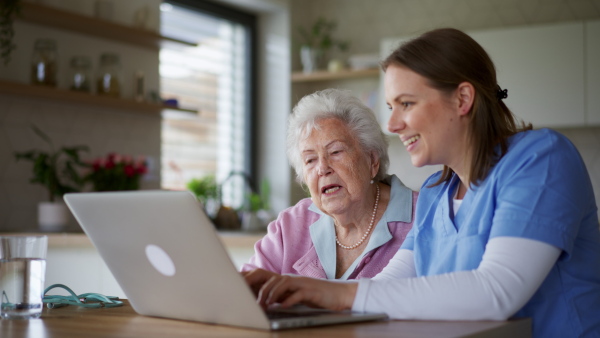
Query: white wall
[274,104]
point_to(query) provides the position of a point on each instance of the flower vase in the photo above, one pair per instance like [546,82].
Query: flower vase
[311,59]
[52,216]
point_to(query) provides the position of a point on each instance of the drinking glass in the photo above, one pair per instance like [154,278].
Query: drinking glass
[22,272]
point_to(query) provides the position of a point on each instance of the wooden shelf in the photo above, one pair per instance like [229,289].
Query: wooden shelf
[14,88]
[52,17]
[332,76]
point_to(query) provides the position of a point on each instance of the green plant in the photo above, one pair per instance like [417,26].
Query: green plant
[320,35]
[204,188]
[8,10]
[57,170]
[260,201]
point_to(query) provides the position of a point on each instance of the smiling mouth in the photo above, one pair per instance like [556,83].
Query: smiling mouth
[330,189]
[411,140]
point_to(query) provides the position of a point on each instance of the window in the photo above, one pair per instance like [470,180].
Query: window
[216,77]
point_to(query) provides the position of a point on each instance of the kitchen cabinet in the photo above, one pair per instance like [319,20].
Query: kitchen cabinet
[552,72]
[543,69]
[592,57]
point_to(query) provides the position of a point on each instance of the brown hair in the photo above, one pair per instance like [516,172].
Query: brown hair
[447,57]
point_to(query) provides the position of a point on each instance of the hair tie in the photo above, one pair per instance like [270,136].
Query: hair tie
[501,93]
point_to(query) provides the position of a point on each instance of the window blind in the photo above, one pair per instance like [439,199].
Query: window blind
[211,78]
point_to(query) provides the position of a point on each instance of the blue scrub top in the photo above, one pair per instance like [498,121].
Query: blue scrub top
[539,190]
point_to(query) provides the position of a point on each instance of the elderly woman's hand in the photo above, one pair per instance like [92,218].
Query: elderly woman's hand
[257,278]
[287,290]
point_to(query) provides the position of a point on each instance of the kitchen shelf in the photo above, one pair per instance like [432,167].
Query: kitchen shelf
[331,76]
[38,91]
[52,17]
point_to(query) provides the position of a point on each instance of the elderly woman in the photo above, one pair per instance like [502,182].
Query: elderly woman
[345,230]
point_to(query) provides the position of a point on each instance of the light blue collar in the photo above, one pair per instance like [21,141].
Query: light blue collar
[322,232]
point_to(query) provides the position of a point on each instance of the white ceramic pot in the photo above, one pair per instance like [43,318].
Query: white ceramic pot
[52,216]
[310,58]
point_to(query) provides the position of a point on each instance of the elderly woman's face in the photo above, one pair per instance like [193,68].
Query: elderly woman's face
[336,170]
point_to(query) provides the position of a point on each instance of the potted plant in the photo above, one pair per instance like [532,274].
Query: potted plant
[316,42]
[244,216]
[206,191]
[8,10]
[257,213]
[58,171]
[115,172]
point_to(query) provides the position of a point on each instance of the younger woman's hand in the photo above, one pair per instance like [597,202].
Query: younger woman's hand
[290,290]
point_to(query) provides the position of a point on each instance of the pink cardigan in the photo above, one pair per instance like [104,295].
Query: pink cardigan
[288,247]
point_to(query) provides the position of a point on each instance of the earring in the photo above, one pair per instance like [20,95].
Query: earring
[371,181]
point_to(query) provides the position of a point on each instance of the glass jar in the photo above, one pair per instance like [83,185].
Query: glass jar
[109,75]
[80,73]
[139,86]
[44,62]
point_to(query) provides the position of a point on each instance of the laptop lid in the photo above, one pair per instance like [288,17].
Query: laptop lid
[167,257]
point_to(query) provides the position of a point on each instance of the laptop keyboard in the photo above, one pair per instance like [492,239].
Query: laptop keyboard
[282,314]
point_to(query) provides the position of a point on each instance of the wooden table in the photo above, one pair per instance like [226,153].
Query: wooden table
[74,322]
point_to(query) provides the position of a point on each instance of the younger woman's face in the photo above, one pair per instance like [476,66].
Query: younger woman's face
[428,121]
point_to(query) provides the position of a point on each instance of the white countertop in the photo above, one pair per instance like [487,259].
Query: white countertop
[231,239]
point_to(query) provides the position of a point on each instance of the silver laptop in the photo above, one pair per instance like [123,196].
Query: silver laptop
[167,257]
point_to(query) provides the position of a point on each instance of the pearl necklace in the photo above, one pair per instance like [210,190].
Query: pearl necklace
[368,230]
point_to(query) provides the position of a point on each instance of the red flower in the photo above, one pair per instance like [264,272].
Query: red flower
[116,172]
[129,170]
[140,165]
[97,164]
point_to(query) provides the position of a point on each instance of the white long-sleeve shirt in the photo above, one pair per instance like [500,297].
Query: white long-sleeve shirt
[510,272]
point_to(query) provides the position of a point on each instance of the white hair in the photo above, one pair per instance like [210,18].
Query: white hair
[342,105]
